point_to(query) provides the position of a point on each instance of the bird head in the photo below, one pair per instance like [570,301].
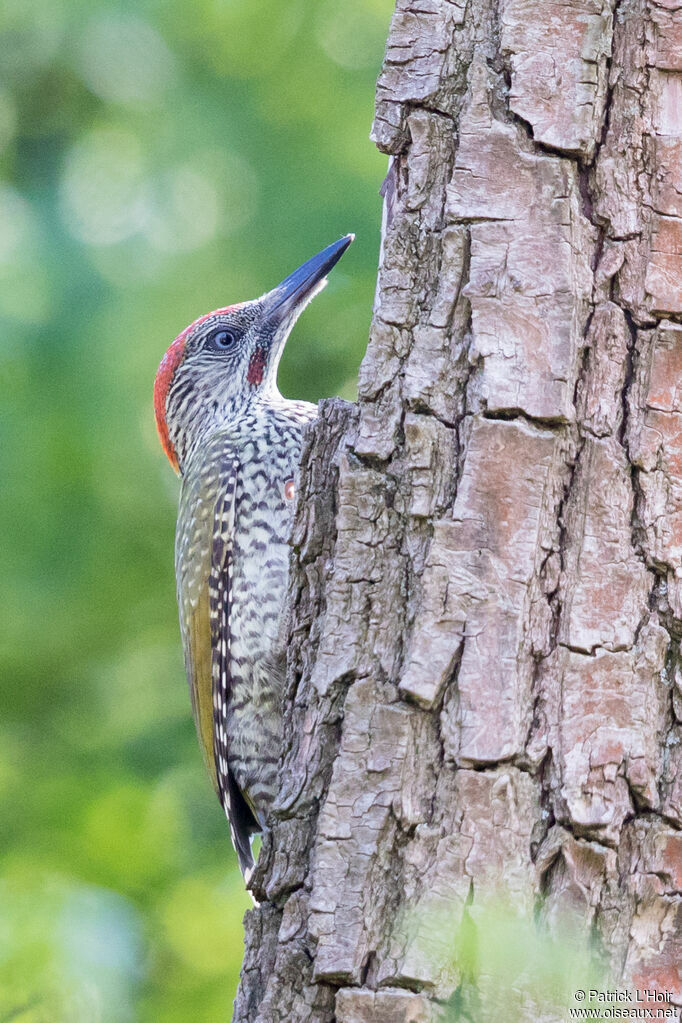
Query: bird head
[227,360]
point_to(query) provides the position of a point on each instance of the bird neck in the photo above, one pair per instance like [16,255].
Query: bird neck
[222,418]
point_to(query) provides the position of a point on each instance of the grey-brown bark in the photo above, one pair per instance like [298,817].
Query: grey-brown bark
[485,674]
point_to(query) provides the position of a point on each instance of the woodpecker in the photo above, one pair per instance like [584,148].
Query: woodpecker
[236,443]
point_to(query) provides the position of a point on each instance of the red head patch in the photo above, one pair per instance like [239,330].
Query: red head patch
[164,377]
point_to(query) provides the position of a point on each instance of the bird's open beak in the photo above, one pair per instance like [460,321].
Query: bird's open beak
[290,297]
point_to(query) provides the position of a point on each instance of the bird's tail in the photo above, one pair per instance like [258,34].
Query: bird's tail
[243,825]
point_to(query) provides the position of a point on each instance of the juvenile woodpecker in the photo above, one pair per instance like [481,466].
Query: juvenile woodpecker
[236,443]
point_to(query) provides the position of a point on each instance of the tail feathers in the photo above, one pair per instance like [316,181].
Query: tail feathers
[243,825]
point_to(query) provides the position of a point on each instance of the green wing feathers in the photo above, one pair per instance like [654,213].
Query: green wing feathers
[205,570]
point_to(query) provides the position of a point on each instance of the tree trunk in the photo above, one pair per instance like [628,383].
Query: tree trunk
[485,673]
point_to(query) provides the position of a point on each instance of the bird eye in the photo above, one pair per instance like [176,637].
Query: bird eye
[222,339]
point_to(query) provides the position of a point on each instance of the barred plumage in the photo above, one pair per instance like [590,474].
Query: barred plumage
[236,443]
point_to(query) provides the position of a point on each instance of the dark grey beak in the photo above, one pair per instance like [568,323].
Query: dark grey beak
[298,288]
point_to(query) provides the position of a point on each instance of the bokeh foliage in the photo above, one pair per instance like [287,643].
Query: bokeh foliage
[504,961]
[157,160]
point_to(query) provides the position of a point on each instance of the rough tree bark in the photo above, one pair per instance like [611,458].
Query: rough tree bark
[485,671]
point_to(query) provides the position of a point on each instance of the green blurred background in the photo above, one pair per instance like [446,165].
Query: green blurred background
[158,160]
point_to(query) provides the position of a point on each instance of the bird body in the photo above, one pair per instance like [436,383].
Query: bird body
[237,444]
[236,485]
